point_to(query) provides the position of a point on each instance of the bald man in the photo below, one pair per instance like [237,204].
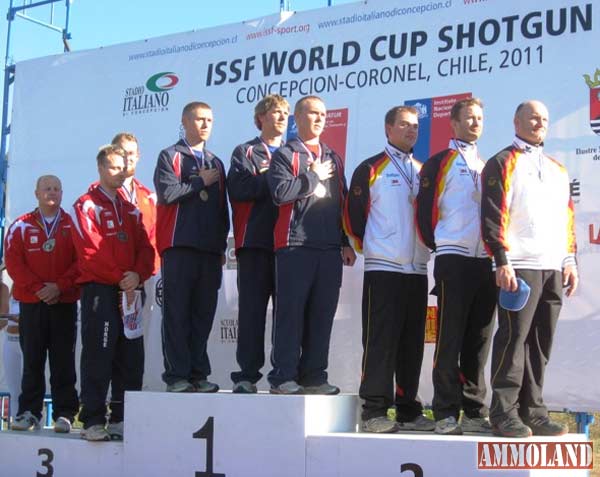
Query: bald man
[528,228]
[41,260]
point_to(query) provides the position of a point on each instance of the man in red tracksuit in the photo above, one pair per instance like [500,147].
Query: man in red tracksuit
[115,255]
[41,260]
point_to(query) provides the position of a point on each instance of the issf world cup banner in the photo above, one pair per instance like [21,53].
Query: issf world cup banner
[362,59]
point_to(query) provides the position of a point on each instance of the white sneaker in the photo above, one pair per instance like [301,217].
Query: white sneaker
[476,424]
[25,422]
[62,425]
[95,433]
[448,427]
[115,430]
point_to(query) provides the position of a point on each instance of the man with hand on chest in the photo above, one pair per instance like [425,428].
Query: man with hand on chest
[254,216]
[192,225]
[41,260]
[115,258]
[307,183]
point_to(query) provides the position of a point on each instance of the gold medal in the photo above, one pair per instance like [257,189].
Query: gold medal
[49,245]
[122,236]
[203,195]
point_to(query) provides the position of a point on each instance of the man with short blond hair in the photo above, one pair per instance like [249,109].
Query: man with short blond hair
[192,226]
[448,216]
[307,183]
[254,216]
[41,260]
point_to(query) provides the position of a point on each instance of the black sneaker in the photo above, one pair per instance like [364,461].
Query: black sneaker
[543,426]
[511,427]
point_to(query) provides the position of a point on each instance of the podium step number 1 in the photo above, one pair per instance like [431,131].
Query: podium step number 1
[207,431]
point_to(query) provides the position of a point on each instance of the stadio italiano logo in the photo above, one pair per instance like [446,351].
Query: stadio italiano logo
[151,97]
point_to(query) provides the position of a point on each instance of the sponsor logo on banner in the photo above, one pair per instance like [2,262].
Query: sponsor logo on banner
[335,133]
[594,85]
[152,97]
[431,325]
[534,455]
[231,259]
[158,292]
[434,123]
[228,330]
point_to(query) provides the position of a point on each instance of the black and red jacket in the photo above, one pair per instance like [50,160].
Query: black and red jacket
[183,219]
[254,212]
[305,220]
[31,267]
[110,239]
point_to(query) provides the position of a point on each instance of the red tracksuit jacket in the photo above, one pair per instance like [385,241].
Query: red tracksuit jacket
[110,239]
[30,266]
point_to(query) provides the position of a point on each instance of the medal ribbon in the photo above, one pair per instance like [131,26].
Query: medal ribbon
[523,146]
[118,213]
[132,196]
[472,172]
[311,158]
[193,152]
[394,157]
[53,227]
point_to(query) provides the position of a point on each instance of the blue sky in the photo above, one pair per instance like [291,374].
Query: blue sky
[96,23]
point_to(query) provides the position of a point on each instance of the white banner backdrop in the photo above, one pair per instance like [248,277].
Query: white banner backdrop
[362,59]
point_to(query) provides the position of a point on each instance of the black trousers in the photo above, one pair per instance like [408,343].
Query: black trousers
[466,297]
[307,284]
[48,331]
[191,282]
[394,308]
[107,356]
[256,281]
[522,348]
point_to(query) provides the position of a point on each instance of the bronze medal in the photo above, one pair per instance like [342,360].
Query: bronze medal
[49,245]
[122,236]
[203,195]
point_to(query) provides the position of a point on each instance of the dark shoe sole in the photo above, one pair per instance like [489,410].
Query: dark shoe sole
[499,433]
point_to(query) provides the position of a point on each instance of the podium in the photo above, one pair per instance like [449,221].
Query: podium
[251,435]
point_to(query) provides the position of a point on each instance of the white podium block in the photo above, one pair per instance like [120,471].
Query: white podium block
[412,455]
[46,453]
[225,434]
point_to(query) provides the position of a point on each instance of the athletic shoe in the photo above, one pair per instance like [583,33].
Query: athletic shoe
[379,425]
[448,427]
[475,424]
[95,433]
[180,387]
[62,425]
[511,427]
[26,422]
[244,387]
[115,430]
[205,386]
[419,423]
[289,387]
[543,426]
[325,388]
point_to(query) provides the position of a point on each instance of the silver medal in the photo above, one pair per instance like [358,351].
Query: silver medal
[203,195]
[49,245]
[320,191]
